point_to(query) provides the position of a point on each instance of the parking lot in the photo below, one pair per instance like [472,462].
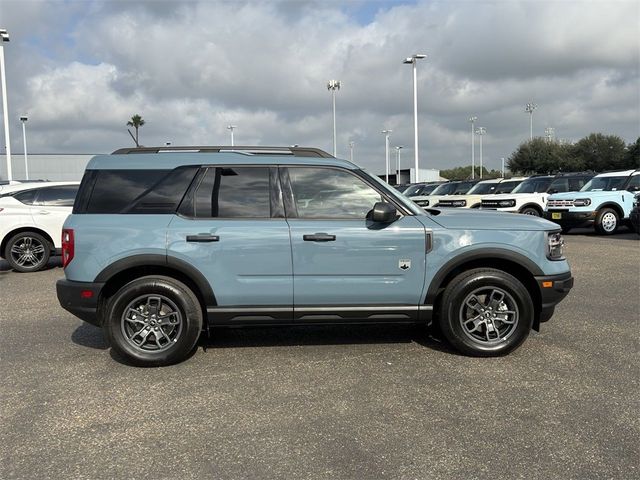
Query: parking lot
[330,402]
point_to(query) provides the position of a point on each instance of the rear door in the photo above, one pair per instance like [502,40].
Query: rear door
[231,227]
[345,266]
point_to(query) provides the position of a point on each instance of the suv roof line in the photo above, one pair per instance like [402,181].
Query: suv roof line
[240,149]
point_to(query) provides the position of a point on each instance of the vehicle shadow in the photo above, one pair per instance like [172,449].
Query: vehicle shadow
[623,233]
[92,337]
[54,262]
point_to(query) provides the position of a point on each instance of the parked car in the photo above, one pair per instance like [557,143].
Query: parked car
[605,202]
[448,188]
[31,218]
[420,189]
[530,197]
[634,216]
[163,246]
[473,197]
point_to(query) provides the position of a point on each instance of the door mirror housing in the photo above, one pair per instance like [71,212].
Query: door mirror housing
[383,212]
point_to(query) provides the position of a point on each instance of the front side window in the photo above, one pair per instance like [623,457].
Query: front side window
[234,192]
[331,193]
[60,196]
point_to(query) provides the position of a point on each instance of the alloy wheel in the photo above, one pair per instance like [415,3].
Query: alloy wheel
[28,252]
[489,315]
[152,323]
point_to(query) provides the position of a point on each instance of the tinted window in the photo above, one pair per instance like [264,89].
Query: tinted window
[164,196]
[533,185]
[462,188]
[604,183]
[634,183]
[331,193]
[444,189]
[414,190]
[483,188]
[506,187]
[559,185]
[62,196]
[575,184]
[26,197]
[115,190]
[238,192]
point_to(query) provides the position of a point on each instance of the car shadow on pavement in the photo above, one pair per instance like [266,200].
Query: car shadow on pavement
[87,335]
[622,234]
[54,262]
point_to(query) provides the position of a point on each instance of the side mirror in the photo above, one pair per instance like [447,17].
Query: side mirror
[383,212]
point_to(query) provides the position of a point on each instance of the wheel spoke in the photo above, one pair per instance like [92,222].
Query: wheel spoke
[170,318]
[474,303]
[133,314]
[151,323]
[144,333]
[17,249]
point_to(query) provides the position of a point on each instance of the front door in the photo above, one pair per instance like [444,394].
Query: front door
[232,229]
[345,266]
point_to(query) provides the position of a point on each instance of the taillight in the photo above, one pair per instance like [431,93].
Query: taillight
[68,246]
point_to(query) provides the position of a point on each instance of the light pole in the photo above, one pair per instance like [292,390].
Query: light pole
[351,144]
[334,85]
[24,119]
[231,128]
[412,60]
[398,148]
[472,120]
[502,166]
[4,37]
[529,108]
[549,132]
[386,154]
[481,131]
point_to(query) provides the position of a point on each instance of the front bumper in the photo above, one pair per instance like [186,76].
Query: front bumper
[553,289]
[80,298]
[567,219]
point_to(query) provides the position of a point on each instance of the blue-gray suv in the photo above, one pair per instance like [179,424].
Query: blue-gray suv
[165,244]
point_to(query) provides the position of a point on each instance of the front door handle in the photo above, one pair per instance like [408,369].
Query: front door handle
[44,212]
[319,237]
[203,238]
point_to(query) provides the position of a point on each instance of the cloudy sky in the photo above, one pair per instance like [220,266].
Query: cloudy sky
[80,69]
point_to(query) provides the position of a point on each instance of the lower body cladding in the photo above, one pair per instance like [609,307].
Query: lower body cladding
[553,289]
[567,219]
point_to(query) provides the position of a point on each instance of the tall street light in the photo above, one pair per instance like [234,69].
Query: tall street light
[386,153]
[529,108]
[472,120]
[24,119]
[231,128]
[351,144]
[412,60]
[549,132]
[481,131]
[4,36]
[398,148]
[334,85]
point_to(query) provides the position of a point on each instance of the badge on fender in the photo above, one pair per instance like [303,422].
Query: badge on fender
[404,264]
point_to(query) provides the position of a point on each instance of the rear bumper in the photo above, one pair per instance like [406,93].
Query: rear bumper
[553,289]
[571,219]
[80,298]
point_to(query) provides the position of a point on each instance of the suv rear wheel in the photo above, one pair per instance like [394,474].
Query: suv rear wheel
[486,312]
[27,252]
[153,321]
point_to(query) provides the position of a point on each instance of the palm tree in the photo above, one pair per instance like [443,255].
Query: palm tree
[135,122]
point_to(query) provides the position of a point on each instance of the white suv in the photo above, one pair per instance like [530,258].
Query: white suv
[31,218]
[474,196]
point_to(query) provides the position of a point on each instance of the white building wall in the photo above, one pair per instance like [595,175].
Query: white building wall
[54,167]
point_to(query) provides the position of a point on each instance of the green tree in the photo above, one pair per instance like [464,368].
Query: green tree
[599,152]
[464,173]
[632,155]
[136,122]
[541,155]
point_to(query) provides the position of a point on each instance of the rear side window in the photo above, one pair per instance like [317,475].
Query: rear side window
[234,192]
[60,196]
[26,197]
[138,191]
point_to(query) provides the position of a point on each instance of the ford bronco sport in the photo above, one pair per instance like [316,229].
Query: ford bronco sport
[166,243]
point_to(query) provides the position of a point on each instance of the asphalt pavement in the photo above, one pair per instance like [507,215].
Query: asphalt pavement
[330,402]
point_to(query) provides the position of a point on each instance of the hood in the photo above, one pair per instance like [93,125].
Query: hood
[463,219]
[592,194]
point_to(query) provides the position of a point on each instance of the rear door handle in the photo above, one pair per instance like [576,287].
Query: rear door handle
[44,212]
[203,238]
[319,237]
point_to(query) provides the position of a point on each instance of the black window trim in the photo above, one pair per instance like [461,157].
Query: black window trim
[290,205]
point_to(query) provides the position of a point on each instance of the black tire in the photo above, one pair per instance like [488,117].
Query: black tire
[607,221]
[456,319]
[27,252]
[174,341]
[531,211]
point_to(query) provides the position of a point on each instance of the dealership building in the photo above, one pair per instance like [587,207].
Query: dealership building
[46,166]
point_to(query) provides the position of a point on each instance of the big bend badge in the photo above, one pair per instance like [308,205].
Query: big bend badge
[404,264]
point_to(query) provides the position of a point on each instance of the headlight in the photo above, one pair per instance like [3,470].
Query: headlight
[507,203]
[459,203]
[582,202]
[555,246]
[423,203]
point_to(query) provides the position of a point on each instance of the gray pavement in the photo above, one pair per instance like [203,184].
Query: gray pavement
[330,402]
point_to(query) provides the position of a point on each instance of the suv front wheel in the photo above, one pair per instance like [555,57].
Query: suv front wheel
[153,321]
[486,312]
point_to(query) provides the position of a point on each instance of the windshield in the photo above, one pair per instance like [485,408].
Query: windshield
[413,190]
[533,185]
[604,183]
[506,187]
[444,189]
[483,188]
[463,187]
